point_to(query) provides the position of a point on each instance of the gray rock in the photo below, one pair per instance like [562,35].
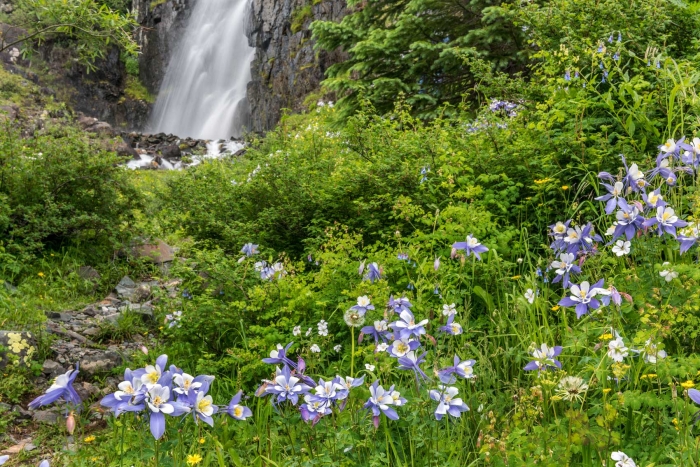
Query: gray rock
[9,287]
[55,316]
[52,369]
[157,251]
[89,273]
[21,413]
[100,362]
[171,152]
[45,416]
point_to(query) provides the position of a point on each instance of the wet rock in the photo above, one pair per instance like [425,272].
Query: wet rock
[21,413]
[171,152]
[54,316]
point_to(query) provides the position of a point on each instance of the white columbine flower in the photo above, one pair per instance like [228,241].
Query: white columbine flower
[363,301]
[184,383]
[315,348]
[158,397]
[448,310]
[530,296]
[622,248]
[622,459]
[617,350]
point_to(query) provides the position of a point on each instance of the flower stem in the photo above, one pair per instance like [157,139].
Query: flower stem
[352,351]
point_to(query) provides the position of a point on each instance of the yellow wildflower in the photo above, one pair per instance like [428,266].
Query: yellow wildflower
[555,398]
[542,181]
[194,459]
[515,278]
[555,308]
[688,384]
[41,274]
[89,439]
[606,390]
[606,337]
[565,187]
[202,440]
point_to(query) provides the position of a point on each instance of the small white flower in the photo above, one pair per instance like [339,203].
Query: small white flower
[611,229]
[449,310]
[297,330]
[617,350]
[323,332]
[530,296]
[337,348]
[308,332]
[622,459]
[315,348]
[382,347]
[621,248]
[369,367]
[363,301]
[668,274]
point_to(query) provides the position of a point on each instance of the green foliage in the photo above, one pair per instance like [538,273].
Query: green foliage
[300,16]
[135,89]
[57,189]
[423,49]
[91,26]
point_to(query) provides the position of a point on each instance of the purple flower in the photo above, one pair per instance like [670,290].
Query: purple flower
[436,263]
[448,403]
[363,304]
[451,327]
[406,326]
[379,331]
[402,256]
[399,305]
[673,148]
[158,403]
[665,220]
[239,412]
[62,388]
[202,405]
[544,358]
[564,267]
[583,297]
[128,397]
[279,356]
[629,220]
[558,233]
[463,369]
[689,237]
[412,362]
[401,347]
[471,245]
[615,192]
[664,170]
[249,249]
[374,272]
[580,239]
[379,403]
[287,387]
[634,178]
[654,199]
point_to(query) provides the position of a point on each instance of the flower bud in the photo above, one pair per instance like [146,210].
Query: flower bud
[144,349]
[70,423]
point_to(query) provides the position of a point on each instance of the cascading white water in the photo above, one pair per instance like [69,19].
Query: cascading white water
[203,94]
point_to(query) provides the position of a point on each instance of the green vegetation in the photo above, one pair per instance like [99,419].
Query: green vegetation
[372,200]
[135,89]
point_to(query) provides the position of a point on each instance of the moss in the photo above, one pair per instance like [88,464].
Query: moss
[299,17]
[155,3]
[136,90]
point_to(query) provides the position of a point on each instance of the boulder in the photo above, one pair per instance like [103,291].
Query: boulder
[52,369]
[157,252]
[100,362]
[89,273]
[171,152]
[20,346]
[45,416]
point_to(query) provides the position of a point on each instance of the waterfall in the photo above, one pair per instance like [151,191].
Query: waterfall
[203,94]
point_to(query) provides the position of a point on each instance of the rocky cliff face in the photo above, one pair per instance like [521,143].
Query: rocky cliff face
[160,32]
[286,68]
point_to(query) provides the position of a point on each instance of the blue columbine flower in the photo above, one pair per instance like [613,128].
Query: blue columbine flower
[374,272]
[564,267]
[380,402]
[287,387]
[399,305]
[406,326]
[615,192]
[412,362]
[379,331]
[558,233]
[451,327]
[448,403]
[278,356]
[363,304]
[653,199]
[401,347]
[237,411]
[155,374]
[462,368]
[634,178]
[665,220]
[128,397]
[402,256]
[629,219]
[249,249]
[202,405]
[616,57]
[471,245]
[61,389]
[544,358]
[583,297]
[158,403]
[580,239]
[567,75]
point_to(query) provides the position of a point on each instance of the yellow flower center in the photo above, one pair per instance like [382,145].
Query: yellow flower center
[238,411]
[153,377]
[157,400]
[203,405]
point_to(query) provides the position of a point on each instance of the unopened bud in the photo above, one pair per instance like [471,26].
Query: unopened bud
[144,349]
[70,423]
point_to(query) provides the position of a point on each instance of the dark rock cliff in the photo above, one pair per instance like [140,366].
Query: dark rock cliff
[286,68]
